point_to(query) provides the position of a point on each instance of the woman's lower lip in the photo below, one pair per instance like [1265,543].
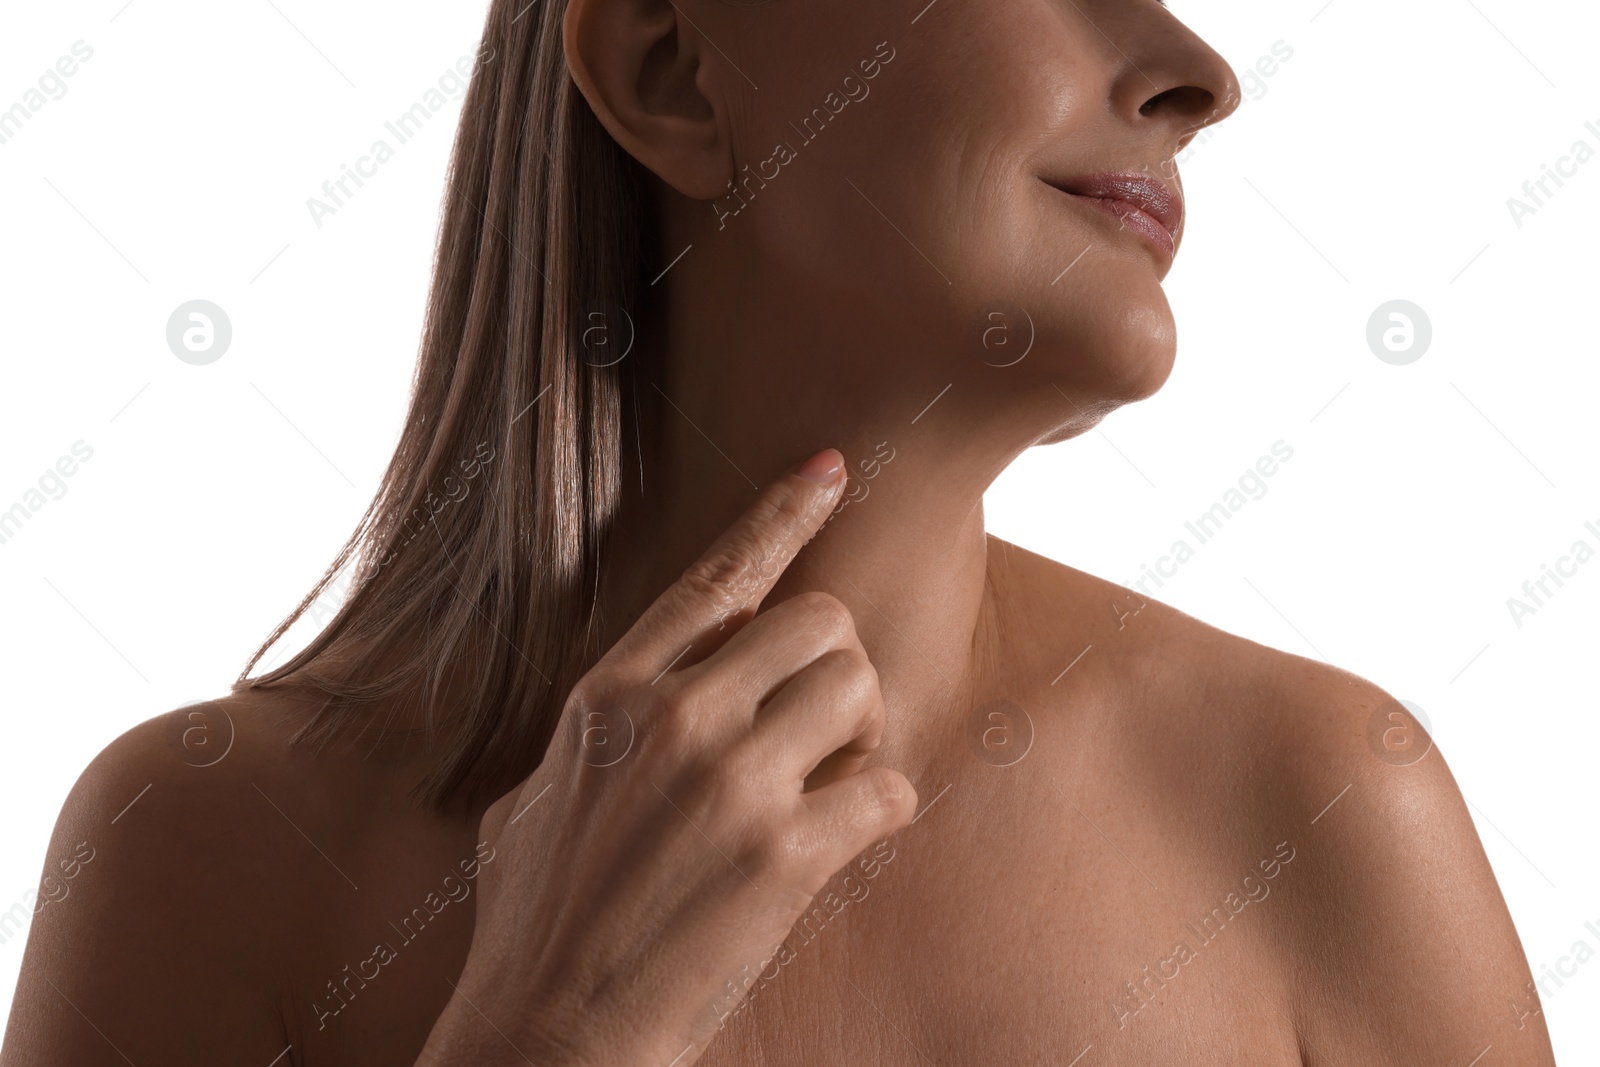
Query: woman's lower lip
[1134,219]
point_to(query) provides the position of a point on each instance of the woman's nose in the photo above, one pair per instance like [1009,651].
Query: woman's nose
[1170,76]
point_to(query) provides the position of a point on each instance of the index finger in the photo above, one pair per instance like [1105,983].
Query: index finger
[738,570]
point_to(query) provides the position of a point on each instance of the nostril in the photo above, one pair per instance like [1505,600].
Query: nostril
[1184,99]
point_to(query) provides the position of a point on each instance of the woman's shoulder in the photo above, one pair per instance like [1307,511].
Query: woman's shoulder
[1154,657]
[151,935]
[1234,713]
[1242,749]
[201,779]
[184,861]
[185,793]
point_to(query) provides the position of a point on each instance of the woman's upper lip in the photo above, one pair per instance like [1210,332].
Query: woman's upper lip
[1149,194]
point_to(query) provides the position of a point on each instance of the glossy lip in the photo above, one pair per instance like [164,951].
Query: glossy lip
[1139,201]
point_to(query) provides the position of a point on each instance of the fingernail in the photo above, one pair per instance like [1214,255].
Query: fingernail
[823,467]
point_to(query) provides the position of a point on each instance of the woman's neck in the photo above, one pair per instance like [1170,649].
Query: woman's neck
[907,553]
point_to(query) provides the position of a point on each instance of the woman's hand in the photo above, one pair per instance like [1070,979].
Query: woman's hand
[684,816]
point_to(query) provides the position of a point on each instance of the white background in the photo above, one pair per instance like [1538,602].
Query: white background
[1374,164]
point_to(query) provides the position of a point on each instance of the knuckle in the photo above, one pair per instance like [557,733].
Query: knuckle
[782,511]
[888,789]
[854,671]
[754,553]
[854,661]
[582,701]
[827,611]
[592,689]
[724,579]
[672,721]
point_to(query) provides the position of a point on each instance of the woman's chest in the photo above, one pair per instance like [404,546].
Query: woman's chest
[1031,914]
[977,946]
[935,947]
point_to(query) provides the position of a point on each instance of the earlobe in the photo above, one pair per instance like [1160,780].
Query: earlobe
[643,68]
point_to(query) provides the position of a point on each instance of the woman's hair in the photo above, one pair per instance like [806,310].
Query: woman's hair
[483,538]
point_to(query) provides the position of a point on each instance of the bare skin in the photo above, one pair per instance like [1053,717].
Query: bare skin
[1168,761]
[1001,926]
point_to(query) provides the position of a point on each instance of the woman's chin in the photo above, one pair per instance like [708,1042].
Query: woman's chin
[1150,351]
[1079,392]
[1126,359]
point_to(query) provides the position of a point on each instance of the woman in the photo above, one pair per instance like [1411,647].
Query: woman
[941,800]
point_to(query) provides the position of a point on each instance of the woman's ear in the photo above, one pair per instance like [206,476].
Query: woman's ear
[639,64]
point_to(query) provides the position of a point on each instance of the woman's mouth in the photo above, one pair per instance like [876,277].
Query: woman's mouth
[1138,201]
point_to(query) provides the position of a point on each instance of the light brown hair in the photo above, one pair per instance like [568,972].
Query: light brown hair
[545,223]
